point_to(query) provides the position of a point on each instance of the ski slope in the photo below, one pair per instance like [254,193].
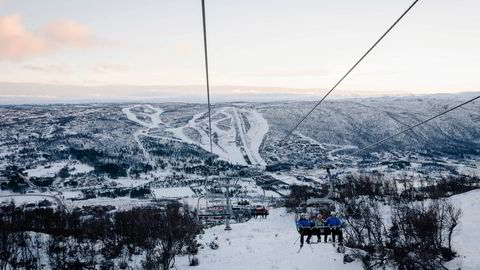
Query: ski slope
[237,134]
[467,238]
[151,113]
[269,244]
[265,244]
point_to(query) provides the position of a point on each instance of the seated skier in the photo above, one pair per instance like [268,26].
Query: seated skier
[318,228]
[304,228]
[334,225]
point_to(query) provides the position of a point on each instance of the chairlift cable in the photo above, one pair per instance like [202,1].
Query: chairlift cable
[207,80]
[206,75]
[349,71]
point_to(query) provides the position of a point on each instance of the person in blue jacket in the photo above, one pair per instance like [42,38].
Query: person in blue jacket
[304,228]
[334,225]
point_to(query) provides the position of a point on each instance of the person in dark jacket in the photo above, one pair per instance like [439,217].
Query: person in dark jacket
[304,228]
[334,225]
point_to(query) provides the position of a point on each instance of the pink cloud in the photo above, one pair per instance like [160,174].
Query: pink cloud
[66,32]
[18,43]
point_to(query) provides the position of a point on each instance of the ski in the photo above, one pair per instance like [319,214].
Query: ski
[341,248]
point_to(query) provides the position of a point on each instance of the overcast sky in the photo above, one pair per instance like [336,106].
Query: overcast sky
[304,45]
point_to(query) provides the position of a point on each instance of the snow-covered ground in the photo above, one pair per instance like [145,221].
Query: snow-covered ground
[269,244]
[265,244]
[50,170]
[237,133]
[28,198]
[151,119]
[121,203]
[130,182]
[288,179]
[473,170]
[467,239]
[72,195]
[175,192]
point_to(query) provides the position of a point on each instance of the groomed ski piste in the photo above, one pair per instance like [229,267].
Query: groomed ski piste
[149,113]
[237,134]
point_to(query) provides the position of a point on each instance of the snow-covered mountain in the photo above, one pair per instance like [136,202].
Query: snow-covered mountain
[245,133]
[359,122]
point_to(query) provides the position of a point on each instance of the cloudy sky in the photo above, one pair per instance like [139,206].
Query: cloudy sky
[272,46]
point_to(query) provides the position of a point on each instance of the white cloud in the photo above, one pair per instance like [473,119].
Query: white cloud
[108,68]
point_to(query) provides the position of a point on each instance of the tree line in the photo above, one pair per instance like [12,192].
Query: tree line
[40,237]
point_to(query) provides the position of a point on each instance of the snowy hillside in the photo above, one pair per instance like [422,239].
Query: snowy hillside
[466,241]
[248,133]
[359,122]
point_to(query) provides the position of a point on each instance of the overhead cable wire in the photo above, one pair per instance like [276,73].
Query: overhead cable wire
[206,76]
[207,80]
[350,70]
[414,126]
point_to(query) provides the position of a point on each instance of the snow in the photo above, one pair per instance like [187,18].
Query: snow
[121,203]
[466,240]
[256,191]
[72,194]
[129,182]
[155,119]
[269,244]
[176,192]
[288,179]
[234,140]
[81,168]
[265,244]
[470,170]
[155,122]
[25,199]
[43,171]
[50,170]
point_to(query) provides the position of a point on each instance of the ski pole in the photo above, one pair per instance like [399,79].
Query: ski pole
[296,240]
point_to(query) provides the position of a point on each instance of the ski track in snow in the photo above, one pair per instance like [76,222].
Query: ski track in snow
[155,122]
[232,142]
